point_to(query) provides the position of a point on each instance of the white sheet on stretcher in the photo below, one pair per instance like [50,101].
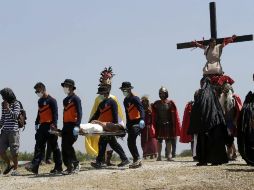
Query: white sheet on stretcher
[91,128]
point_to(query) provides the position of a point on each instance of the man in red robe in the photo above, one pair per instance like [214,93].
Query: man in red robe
[166,122]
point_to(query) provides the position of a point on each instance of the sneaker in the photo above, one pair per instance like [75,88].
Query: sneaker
[96,165]
[136,164]
[8,169]
[110,164]
[15,173]
[56,171]
[31,168]
[158,158]
[68,171]
[124,163]
[77,168]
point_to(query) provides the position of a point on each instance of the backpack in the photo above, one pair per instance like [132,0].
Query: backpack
[22,117]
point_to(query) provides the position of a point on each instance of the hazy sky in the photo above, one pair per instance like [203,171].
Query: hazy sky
[50,41]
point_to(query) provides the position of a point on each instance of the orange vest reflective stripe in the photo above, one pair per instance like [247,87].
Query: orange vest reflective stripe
[70,113]
[106,114]
[45,114]
[133,112]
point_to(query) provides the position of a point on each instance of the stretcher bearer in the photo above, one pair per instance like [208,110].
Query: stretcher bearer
[72,115]
[107,111]
[135,115]
[46,119]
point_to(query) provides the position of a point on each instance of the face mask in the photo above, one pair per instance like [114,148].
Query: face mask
[39,94]
[125,93]
[102,97]
[66,90]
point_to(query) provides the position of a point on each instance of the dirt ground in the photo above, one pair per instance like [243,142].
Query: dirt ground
[180,174]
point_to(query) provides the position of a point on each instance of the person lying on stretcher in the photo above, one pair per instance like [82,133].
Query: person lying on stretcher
[94,127]
[99,127]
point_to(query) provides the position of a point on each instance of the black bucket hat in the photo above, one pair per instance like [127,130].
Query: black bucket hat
[69,82]
[126,85]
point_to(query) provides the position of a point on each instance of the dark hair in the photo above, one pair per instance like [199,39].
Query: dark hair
[212,39]
[8,95]
[39,85]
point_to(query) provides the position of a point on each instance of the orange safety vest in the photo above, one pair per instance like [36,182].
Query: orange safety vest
[133,112]
[45,114]
[106,114]
[70,113]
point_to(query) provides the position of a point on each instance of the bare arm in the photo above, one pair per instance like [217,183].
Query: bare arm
[226,41]
[198,44]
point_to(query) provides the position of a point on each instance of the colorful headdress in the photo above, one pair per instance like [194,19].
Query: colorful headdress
[106,76]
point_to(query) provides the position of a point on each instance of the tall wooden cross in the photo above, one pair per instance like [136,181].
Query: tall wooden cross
[213,28]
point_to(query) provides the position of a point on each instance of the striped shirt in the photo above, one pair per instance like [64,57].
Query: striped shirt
[9,119]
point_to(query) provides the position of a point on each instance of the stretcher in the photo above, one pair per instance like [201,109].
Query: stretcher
[104,133]
[95,129]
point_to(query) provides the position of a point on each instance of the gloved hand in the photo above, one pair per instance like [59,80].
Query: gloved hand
[141,124]
[76,131]
[36,127]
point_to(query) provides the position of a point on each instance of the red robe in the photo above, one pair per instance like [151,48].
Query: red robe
[184,137]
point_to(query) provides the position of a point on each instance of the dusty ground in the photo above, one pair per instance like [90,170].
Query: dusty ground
[180,174]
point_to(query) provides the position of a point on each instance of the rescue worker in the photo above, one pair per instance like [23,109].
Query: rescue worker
[72,115]
[135,116]
[45,121]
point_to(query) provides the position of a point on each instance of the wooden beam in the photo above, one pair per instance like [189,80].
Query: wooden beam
[219,40]
[213,25]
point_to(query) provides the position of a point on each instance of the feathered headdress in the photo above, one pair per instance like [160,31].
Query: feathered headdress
[106,76]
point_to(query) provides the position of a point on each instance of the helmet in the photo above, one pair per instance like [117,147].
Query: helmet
[164,91]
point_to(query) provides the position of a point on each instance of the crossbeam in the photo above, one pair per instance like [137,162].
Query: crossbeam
[219,40]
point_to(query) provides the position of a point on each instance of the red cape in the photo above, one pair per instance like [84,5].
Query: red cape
[177,118]
[184,137]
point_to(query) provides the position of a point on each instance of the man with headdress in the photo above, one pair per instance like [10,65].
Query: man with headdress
[91,142]
[231,105]
[9,136]
[107,112]
[135,116]
[166,122]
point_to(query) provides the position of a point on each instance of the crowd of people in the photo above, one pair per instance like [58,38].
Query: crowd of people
[209,123]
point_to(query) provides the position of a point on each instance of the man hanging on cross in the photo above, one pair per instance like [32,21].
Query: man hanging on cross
[213,53]
[208,120]
[213,47]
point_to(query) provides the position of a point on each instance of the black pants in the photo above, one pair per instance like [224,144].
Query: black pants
[42,136]
[103,141]
[133,133]
[48,151]
[68,152]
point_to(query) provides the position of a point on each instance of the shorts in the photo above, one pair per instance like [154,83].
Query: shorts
[9,139]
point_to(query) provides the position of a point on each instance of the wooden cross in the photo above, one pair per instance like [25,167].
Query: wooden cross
[213,28]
